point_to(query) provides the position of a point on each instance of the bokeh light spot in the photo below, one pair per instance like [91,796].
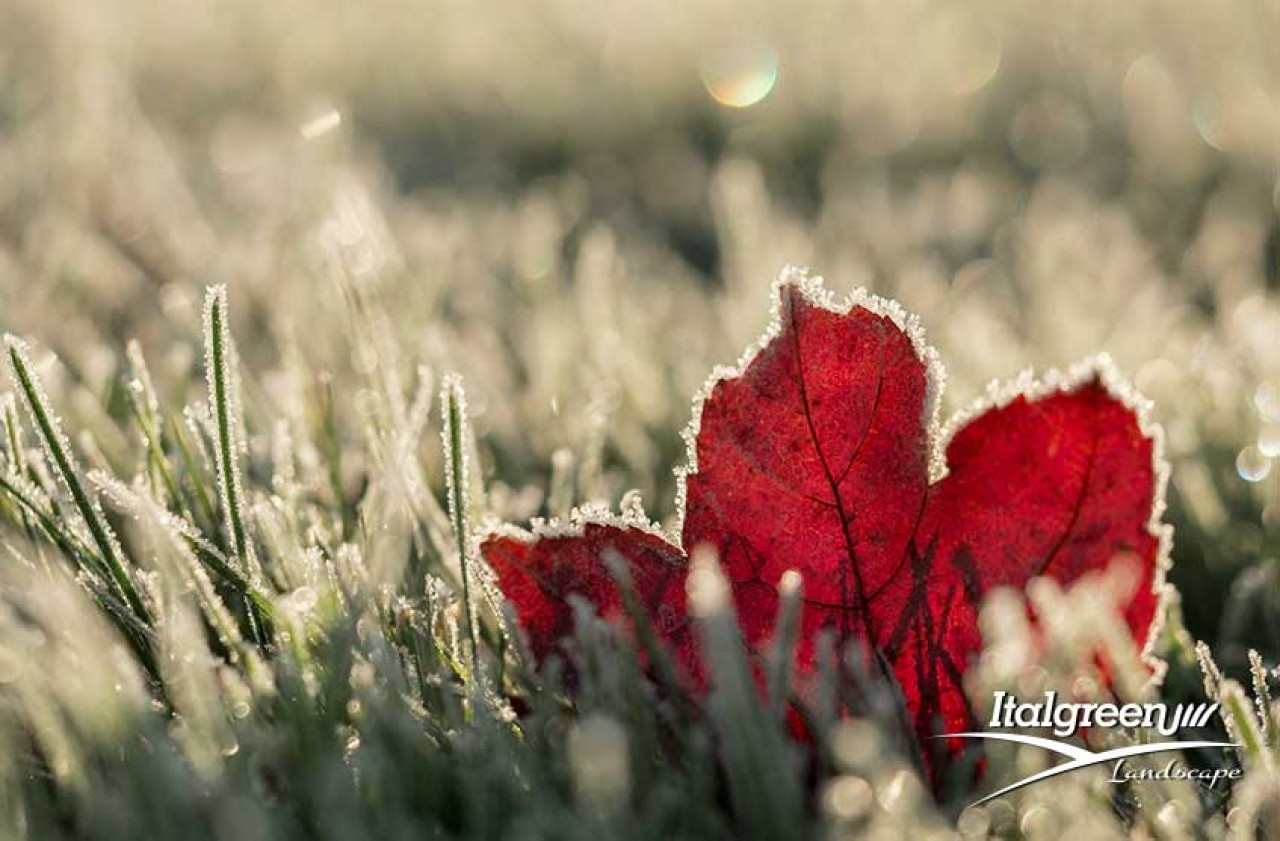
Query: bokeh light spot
[1269,440]
[1253,465]
[740,78]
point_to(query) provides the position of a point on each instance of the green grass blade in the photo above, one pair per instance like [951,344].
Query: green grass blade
[224,406]
[146,411]
[781,653]
[763,786]
[454,410]
[59,452]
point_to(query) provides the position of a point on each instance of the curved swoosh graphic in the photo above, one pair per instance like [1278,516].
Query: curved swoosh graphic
[1080,757]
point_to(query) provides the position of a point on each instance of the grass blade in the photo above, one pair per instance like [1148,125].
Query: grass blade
[59,452]
[781,654]
[453,402]
[226,420]
[762,785]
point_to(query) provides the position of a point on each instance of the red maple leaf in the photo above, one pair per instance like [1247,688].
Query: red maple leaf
[821,453]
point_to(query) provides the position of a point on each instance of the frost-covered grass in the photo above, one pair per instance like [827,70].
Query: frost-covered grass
[231,602]
[211,644]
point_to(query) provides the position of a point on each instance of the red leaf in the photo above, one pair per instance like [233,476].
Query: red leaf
[539,573]
[821,454]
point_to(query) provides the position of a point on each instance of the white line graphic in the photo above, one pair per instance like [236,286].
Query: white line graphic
[1080,757]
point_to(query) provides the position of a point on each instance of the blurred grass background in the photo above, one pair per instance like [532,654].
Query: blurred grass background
[580,207]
